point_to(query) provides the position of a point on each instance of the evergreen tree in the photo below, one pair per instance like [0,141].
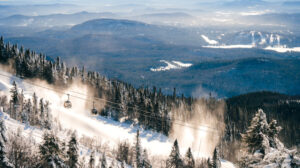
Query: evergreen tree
[189,161]
[72,152]
[50,152]
[14,100]
[3,158]
[47,116]
[255,137]
[103,161]
[174,160]
[146,161]
[42,112]
[274,130]
[216,163]
[92,160]
[138,151]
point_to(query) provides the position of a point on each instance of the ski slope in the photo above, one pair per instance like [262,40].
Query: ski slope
[79,118]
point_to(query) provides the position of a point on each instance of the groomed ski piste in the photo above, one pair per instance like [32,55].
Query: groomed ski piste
[79,119]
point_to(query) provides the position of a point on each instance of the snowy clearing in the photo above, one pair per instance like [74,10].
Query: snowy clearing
[171,65]
[230,46]
[209,41]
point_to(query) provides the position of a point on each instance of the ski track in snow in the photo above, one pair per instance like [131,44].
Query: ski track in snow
[274,42]
[230,46]
[209,41]
[79,118]
[171,65]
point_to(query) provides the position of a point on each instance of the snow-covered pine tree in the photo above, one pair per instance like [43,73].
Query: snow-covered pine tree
[92,160]
[146,161]
[216,163]
[4,163]
[138,151]
[256,138]
[14,100]
[27,110]
[42,113]
[48,116]
[72,152]
[35,109]
[189,161]
[278,156]
[274,130]
[174,160]
[103,161]
[50,152]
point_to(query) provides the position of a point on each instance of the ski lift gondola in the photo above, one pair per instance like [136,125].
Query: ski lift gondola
[68,103]
[94,110]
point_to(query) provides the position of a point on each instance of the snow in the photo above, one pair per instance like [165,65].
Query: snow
[37,135]
[171,65]
[212,42]
[230,46]
[78,118]
[283,49]
[226,164]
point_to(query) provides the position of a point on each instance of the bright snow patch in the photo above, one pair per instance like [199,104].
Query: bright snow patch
[283,49]
[230,46]
[212,42]
[171,65]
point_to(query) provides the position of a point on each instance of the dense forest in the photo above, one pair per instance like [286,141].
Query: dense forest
[149,107]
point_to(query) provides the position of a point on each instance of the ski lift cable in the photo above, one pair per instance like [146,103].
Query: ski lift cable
[213,130]
[86,99]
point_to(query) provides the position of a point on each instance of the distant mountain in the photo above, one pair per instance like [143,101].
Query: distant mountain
[129,28]
[99,25]
[48,21]
[291,3]
[244,3]
[34,10]
[167,15]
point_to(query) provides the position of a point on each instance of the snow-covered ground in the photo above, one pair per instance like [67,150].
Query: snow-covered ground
[230,46]
[266,42]
[36,134]
[79,118]
[283,49]
[209,41]
[171,65]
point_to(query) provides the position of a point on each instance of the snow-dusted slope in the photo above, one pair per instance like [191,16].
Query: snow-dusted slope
[171,65]
[79,118]
[209,41]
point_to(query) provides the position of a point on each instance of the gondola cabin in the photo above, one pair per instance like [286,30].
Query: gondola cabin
[68,103]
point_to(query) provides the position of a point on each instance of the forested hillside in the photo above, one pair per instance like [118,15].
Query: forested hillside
[149,107]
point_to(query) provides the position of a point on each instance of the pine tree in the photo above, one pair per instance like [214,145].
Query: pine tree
[174,160]
[35,109]
[255,137]
[274,130]
[92,160]
[189,161]
[50,152]
[138,149]
[47,116]
[3,159]
[14,100]
[42,113]
[72,152]
[216,163]
[103,161]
